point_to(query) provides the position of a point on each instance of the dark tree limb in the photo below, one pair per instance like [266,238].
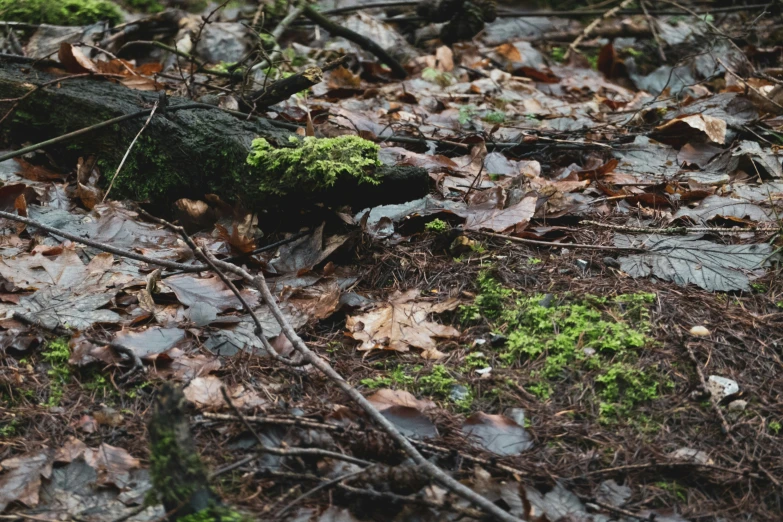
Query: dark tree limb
[365,43]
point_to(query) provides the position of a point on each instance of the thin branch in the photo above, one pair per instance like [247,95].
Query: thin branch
[200,253]
[592,25]
[127,152]
[558,245]
[102,246]
[316,489]
[365,43]
[290,452]
[428,467]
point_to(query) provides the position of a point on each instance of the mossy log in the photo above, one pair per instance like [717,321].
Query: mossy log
[185,153]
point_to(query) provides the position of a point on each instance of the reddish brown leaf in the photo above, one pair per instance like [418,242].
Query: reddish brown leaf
[74,60]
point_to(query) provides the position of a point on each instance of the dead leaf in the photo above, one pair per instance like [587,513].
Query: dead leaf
[204,392]
[21,479]
[74,60]
[679,131]
[401,323]
[497,434]
[405,411]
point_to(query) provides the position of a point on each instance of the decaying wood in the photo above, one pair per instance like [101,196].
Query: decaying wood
[182,153]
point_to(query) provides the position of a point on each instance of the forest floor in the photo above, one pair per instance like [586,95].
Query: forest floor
[582,320]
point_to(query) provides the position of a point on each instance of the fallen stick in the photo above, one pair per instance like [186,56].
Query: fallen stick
[592,25]
[352,36]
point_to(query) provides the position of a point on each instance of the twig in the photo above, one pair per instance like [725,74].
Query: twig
[290,452]
[750,87]
[384,496]
[201,66]
[558,245]
[277,33]
[205,20]
[316,489]
[592,25]
[101,246]
[680,230]
[242,257]
[653,24]
[428,467]
[200,253]
[717,410]
[127,152]
[365,43]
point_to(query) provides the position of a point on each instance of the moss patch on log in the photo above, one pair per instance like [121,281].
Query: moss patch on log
[59,12]
[312,164]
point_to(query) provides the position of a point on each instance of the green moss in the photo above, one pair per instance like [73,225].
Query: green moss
[436,225]
[495,117]
[397,378]
[775,427]
[144,6]
[566,341]
[438,382]
[311,165]
[57,353]
[59,12]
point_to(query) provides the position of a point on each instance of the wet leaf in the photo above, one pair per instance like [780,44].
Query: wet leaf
[401,323]
[191,290]
[721,206]
[21,478]
[497,434]
[405,411]
[151,342]
[690,260]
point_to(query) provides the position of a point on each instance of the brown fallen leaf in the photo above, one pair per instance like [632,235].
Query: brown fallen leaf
[204,392]
[401,323]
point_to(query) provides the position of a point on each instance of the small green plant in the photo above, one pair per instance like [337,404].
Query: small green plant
[775,427]
[57,353]
[558,54]
[436,225]
[438,382]
[312,164]
[441,78]
[675,488]
[495,117]
[9,429]
[474,360]
[466,114]
[542,390]
[630,51]
[534,261]
[759,288]
[397,377]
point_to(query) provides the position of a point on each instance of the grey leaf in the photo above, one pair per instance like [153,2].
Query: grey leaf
[691,260]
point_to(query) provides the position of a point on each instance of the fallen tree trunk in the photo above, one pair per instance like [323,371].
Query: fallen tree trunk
[182,153]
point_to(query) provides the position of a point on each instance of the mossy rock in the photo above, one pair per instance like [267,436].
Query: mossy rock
[59,12]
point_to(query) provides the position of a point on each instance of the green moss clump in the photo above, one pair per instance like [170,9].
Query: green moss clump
[567,341]
[312,164]
[57,354]
[59,12]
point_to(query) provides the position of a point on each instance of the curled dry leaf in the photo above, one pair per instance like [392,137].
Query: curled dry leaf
[405,411]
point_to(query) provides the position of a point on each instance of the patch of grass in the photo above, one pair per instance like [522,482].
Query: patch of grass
[569,340]
[57,353]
